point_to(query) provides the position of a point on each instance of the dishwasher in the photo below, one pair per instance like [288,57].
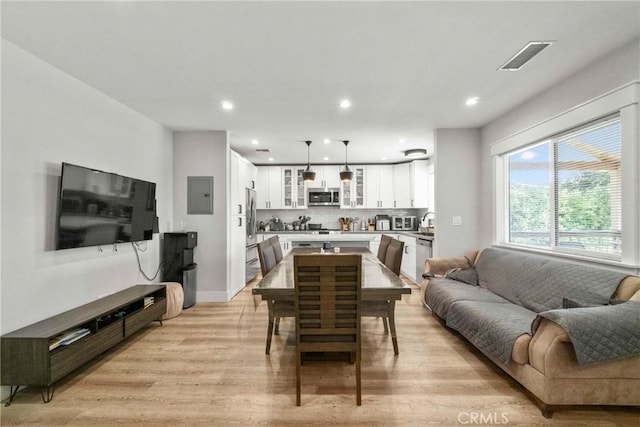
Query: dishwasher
[424,250]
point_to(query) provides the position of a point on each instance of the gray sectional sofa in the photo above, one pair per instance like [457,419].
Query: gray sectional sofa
[569,333]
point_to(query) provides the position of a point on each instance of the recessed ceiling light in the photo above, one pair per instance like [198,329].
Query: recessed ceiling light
[472,101]
[255,142]
[345,103]
[325,158]
[227,105]
[326,140]
[401,141]
[270,159]
[384,158]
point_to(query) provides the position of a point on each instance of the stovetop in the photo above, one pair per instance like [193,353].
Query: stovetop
[326,231]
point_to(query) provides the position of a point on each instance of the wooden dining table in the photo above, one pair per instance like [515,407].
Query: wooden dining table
[378,282]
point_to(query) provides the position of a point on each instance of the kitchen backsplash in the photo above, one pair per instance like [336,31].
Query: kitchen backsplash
[328,216]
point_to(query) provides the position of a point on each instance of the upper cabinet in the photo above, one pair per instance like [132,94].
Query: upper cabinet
[431,187]
[404,185]
[420,180]
[243,176]
[411,184]
[294,188]
[352,193]
[326,177]
[379,186]
[269,187]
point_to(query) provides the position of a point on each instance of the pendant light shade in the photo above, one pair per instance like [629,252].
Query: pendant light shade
[308,175]
[346,174]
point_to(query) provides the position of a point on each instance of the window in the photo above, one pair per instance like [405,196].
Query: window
[564,193]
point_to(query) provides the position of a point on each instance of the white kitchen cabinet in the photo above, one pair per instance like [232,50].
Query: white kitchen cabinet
[408,267]
[238,253]
[420,183]
[294,189]
[402,185]
[327,176]
[431,186]
[410,184]
[352,193]
[237,203]
[269,187]
[379,186]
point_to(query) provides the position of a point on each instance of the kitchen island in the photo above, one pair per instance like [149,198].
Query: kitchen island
[411,265]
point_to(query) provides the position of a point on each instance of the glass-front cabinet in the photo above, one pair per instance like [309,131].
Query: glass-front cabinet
[294,188]
[352,192]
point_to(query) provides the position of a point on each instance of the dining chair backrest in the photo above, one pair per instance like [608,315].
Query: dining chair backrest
[277,249]
[327,306]
[393,257]
[267,256]
[384,244]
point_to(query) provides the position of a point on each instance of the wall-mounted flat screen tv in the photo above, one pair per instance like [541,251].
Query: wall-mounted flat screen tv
[99,208]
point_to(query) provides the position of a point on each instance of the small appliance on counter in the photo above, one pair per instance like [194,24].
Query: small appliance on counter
[403,223]
[383,222]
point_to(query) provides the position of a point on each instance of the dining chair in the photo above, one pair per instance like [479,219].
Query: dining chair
[277,249]
[382,248]
[267,256]
[386,309]
[277,309]
[393,257]
[327,308]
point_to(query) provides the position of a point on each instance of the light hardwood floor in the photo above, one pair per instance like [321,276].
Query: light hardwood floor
[208,367]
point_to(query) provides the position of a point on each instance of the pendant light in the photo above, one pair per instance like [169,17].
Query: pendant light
[308,175]
[346,174]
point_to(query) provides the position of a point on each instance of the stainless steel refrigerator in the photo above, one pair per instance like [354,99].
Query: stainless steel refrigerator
[252,263]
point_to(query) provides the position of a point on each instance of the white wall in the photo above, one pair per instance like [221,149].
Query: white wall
[457,188]
[49,117]
[205,154]
[611,72]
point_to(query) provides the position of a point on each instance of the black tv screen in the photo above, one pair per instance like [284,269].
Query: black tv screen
[99,208]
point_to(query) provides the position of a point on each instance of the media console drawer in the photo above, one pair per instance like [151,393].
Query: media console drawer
[141,318]
[67,358]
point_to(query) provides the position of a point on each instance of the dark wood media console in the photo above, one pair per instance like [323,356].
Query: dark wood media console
[27,360]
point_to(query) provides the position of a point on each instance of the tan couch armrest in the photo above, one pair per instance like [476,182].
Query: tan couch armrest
[552,354]
[439,266]
[628,288]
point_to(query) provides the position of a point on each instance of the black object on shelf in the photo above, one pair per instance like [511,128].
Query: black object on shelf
[178,265]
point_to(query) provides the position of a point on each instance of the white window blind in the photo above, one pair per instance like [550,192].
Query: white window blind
[565,193]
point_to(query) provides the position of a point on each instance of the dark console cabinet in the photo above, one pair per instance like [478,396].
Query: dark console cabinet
[27,360]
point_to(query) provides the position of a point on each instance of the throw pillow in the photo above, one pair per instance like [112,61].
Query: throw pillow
[467,275]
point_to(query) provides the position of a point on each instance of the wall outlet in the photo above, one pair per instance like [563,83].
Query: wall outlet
[457,221]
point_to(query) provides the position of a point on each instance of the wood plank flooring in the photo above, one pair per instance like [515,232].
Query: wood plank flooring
[208,367]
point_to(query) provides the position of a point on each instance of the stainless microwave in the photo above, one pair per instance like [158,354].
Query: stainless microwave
[324,197]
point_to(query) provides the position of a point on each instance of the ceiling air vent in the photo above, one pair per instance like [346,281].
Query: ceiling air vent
[262,150]
[524,55]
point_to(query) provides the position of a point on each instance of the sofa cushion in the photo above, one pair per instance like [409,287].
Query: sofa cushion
[443,292]
[492,327]
[464,275]
[539,283]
